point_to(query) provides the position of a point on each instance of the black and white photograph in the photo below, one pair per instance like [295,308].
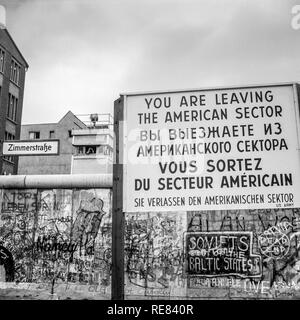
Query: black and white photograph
[150,153]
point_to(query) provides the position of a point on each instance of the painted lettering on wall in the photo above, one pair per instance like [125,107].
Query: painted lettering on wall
[221,253]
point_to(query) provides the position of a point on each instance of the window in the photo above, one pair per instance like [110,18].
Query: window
[90,149]
[34,135]
[86,150]
[9,136]
[15,69]
[70,134]
[51,134]
[106,151]
[2,55]
[12,107]
[101,150]
[80,150]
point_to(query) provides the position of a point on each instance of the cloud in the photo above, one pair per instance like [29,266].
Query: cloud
[82,54]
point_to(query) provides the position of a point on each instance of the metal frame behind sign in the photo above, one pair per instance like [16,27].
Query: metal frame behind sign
[118,218]
[296,87]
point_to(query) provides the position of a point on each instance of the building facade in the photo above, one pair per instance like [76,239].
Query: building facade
[13,68]
[93,146]
[54,164]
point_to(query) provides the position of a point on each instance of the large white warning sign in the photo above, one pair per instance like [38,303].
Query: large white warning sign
[213,149]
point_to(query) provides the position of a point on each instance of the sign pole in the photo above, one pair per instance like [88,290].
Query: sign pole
[118,225]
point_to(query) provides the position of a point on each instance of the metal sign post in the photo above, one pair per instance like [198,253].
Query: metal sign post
[118,225]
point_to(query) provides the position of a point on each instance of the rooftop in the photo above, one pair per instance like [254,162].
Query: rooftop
[97,120]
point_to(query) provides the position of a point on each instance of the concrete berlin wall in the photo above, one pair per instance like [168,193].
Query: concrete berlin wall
[264,262]
[56,243]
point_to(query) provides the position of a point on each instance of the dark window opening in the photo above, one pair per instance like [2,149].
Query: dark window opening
[12,107]
[34,135]
[86,150]
[15,70]
[2,55]
[9,136]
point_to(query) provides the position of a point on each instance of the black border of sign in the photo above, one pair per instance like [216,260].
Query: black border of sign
[34,154]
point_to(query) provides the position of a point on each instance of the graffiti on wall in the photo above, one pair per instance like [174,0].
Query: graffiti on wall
[275,241]
[221,253]
[213,254]
[62,239]
[7,264]
[56,237]
[153,253]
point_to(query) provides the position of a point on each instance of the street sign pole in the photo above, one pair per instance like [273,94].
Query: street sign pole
[118,223]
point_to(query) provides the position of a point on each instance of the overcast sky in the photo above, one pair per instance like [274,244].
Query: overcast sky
[83,53]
